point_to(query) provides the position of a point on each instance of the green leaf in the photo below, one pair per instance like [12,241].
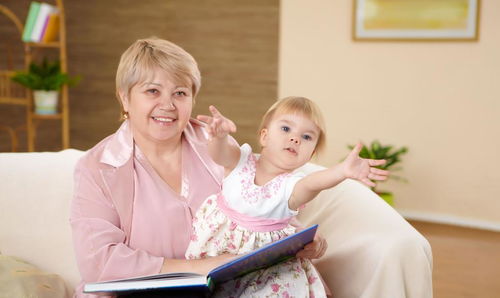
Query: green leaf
[391,154]
[375,146]
[365,153]
[44,76]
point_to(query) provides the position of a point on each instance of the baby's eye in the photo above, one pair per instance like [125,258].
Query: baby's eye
[285,128]
[307,137]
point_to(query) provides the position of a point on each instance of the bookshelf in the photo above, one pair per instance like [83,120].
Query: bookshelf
[13,94]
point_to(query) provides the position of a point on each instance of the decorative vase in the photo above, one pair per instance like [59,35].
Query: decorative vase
[45,102]
[387,197]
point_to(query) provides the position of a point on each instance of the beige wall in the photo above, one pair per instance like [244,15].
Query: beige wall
[440,99]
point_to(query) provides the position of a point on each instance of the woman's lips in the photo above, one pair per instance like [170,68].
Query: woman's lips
[163,120]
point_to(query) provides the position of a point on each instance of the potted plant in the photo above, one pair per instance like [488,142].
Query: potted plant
[45,80]
[392,155]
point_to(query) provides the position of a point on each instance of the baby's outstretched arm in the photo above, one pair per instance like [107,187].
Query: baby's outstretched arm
[353,167]
[221,149]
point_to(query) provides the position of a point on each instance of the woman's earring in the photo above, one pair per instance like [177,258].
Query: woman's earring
[125,115]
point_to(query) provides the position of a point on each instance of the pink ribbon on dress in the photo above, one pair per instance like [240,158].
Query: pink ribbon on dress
[256,224]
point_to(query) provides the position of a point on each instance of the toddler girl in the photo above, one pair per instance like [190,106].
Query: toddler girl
[261,194]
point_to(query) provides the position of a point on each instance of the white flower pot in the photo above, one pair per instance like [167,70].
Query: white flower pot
[45,102]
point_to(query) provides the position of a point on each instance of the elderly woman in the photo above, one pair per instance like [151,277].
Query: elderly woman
[137,191]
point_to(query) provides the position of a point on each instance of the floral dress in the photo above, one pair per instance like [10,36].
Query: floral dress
[244,217]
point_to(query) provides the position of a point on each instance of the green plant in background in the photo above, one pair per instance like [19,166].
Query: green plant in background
[393,157]
[46,76]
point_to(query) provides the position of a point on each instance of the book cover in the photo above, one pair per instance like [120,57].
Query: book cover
[43,13]
[264,257]
[51,31]
[30,20]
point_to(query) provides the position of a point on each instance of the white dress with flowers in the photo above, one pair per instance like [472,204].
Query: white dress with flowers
[244,217]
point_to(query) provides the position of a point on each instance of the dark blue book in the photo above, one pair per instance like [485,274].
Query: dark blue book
[267,256]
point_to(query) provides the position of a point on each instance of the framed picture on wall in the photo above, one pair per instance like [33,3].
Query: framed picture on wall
[419,20]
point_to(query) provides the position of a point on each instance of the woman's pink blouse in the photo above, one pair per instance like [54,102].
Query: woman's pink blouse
[125,219]
[162,218]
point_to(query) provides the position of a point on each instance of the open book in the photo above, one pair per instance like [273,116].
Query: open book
[263,257]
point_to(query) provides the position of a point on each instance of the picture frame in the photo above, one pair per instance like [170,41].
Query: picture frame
[416,20]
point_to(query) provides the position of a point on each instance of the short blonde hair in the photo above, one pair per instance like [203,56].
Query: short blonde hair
[302,106]
[138,62]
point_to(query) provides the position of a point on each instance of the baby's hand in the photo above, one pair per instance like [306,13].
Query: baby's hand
[217,125]
[363,169]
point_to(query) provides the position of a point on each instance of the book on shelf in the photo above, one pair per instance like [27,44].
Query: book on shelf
[41,21]
[51,30]
[30,20]
[183,282]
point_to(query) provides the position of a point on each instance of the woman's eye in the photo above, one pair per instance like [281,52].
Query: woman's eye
[180,93]
[307,137]
[285,128]
[152,91]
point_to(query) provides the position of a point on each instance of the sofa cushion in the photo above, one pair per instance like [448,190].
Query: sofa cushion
[21,279]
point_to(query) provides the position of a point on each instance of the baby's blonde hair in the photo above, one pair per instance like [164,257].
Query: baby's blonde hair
[139,61]
[302,106]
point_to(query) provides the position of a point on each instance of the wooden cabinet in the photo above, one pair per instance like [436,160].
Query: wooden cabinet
[11,93]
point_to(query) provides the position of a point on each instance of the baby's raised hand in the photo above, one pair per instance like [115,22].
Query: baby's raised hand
[217,125]
[363,169]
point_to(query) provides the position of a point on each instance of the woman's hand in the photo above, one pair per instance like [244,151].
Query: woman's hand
[315,249]
[362,169]
[217,126]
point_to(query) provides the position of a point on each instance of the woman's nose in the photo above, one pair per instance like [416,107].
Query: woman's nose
[167,104]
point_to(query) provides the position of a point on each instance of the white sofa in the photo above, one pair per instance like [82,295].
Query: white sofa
[36,191]
[35,196]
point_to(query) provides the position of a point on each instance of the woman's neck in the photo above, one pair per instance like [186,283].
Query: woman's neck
[166,160]
[164,150]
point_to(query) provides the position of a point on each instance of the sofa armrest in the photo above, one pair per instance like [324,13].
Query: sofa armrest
[362,232]
[36,191]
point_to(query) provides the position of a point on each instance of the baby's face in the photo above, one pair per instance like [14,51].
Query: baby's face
[289,140]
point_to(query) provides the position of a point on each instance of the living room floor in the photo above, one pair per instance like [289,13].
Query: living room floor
[466,261]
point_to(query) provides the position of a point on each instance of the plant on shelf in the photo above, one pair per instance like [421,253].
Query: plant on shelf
[45,79]
[392,155]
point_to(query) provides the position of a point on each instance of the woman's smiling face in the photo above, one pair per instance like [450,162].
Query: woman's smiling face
[158,109]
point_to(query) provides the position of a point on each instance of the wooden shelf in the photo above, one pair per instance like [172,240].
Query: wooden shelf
[32,50]
[55,44]
[14,101]
[46,116]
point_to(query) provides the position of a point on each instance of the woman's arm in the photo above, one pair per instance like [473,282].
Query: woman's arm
[353,167]
[220,147]
[99,242]
[200,266]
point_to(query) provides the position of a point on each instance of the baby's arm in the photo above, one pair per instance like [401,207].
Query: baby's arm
[308,187]
[220,147]
[353,167]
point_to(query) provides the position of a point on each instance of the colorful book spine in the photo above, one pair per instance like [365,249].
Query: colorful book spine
[43,14]
[30,20]
[42,32]
[51,31]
